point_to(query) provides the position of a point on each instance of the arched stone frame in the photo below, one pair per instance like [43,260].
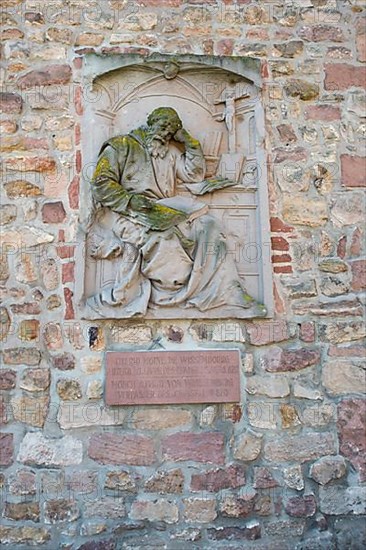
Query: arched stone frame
[120,90]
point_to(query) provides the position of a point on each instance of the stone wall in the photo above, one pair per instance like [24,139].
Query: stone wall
[282,469]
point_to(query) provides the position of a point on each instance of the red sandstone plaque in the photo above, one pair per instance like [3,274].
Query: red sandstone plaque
[167,377]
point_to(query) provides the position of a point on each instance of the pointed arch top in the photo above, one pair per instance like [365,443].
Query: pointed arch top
[96,65]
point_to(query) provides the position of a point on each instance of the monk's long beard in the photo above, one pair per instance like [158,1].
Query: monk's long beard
[158,148]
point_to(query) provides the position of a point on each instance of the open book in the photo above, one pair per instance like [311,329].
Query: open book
[229,173]
[192,208]
[169,212]
[209,185]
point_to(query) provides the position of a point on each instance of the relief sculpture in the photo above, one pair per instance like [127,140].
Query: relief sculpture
[153,231]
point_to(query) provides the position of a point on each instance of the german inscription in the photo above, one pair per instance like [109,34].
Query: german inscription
[168,377]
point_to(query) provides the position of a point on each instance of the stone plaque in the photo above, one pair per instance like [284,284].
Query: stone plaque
[167,377]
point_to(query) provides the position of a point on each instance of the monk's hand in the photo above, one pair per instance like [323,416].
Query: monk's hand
[140,203]
[182,136]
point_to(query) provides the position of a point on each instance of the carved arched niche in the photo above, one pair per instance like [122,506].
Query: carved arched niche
[219,103]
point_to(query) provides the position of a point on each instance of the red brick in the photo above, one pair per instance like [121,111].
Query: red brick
[323,112]
[342,247]
[279,243]
[352,435]
[267,332]
[30,143]
[64,361]
[358,275]
[279,304]
[301,507]
[291,360]
[10,103]
[77,134]
[73,192]
[78,162]
[353,171]
[264,69]
[258,34]
[216,480]
[68,272]
[321,33]
[278,226]
[78,100]
[224,47]
[307,331]
[202,447]
[7,379]
[281,258]
[109,448]
[282,269]
[295,155]
[69,309]
[65,252]
[356,244]
[78,63]
[346,351]
[6,449]
[263,478]
[49,75]
[28,308]
[341,76]
[53,212]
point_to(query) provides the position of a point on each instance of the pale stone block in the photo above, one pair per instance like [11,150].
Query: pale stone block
[35,449]
[342,377]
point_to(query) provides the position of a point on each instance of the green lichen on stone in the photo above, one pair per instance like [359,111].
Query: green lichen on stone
[160,217]
[102,166]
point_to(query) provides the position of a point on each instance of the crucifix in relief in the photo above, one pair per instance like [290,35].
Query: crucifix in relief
[228,115]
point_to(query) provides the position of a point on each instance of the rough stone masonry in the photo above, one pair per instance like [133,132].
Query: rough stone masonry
[286,467]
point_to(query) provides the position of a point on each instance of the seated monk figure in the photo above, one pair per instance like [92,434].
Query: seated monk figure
[168,250]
